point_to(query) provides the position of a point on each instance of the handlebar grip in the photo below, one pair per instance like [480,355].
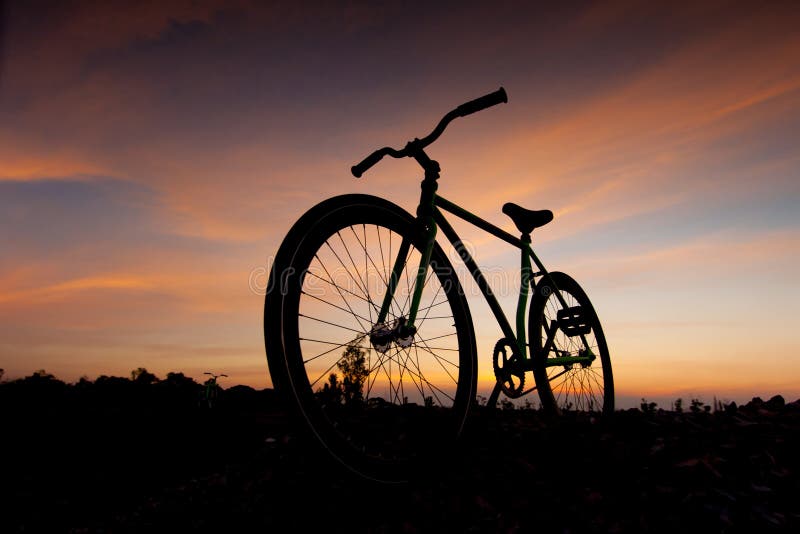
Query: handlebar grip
[368,162]
[486,101]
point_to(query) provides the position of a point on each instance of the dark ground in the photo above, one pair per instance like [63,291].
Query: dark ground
[122,458]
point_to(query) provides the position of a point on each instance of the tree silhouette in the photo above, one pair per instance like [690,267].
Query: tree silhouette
[143,376]
[41,374]
[331,392]
[350,390]
[179,380]
[353,367]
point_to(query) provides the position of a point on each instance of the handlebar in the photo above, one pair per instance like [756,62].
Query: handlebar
[468,108]
[483,102]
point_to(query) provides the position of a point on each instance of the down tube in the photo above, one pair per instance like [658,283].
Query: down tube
[476,273]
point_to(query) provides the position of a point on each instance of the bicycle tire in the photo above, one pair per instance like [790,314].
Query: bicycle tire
[388,439]
[579,387]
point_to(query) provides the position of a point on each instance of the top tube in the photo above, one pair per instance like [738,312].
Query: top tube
[412,147]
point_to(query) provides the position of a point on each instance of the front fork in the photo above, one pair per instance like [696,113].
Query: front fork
[405,329]
[407,323]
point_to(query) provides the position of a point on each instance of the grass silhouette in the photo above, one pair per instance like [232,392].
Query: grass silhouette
[119,455]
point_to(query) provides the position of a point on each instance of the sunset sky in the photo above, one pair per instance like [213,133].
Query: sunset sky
[154,154]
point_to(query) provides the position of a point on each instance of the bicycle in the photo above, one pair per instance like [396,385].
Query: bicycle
[211,392]
[361,287]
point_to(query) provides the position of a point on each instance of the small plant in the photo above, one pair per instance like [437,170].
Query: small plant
[696,405]
[506,404]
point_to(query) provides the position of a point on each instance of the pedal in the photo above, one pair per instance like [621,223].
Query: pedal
[574,321]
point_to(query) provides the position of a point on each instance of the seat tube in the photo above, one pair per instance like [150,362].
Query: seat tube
[524,292]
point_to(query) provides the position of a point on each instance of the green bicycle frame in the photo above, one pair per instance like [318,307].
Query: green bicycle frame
[436,219]
[430,218]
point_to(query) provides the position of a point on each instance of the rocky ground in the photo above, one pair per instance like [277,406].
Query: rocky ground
[71,463]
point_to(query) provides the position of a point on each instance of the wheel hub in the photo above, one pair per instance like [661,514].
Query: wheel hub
[383,334]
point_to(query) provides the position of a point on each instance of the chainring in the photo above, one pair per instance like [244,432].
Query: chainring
[506,361]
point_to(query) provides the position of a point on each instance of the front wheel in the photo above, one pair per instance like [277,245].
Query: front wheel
[571,363]
[380,402]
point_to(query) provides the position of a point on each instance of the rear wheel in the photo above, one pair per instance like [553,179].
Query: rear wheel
[382,403]
[568,327]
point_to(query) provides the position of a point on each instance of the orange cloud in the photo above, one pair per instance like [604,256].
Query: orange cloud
[65,289]
[711,256]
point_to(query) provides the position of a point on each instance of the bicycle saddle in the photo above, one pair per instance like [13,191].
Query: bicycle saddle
[527,220]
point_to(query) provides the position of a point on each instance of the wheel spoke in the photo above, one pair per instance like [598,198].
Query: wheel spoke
[330,323]
[335,306]
[362,286]
[439,359]
[330,283]
[437,337]
[346,302]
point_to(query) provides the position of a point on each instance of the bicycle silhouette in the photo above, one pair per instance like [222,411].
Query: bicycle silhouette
[211,392]
[359,273]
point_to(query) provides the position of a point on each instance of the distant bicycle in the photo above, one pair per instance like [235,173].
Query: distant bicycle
[211,391]
[358,281]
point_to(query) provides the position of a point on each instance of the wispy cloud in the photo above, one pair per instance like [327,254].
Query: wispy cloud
[152,155]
